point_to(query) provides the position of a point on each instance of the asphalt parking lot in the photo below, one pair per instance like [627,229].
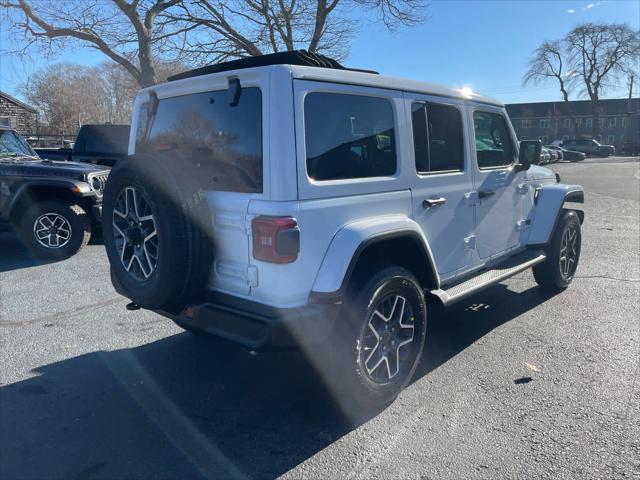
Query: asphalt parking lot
[514,383]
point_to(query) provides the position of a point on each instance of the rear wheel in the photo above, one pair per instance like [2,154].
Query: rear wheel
[563,254]
[54,229]
[377,342]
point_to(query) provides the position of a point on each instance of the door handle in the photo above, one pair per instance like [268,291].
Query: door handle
[433,202]
[485,193]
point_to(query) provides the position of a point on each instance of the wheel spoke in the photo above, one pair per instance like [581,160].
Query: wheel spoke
[52,230]
[134,225]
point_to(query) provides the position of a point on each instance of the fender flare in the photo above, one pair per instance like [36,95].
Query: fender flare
[549,203]
[76,188]
[349,243]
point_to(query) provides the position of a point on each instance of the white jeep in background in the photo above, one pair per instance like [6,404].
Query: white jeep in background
[287,200]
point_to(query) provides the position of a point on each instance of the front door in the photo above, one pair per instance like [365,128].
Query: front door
[443,180]
[500,189]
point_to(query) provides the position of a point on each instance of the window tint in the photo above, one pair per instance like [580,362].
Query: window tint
[111,139]
[349,136]
[494,146]
[141,126]
[219,144]
[437,138]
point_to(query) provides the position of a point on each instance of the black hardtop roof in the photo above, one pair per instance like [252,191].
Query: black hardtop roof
[295,57]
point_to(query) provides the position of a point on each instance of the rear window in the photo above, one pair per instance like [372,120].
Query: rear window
[107,139]
[221,143]
[349,136]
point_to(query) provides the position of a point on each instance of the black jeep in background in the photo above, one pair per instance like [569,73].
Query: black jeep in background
[101,144]
[589,147]
[98,144]
[52,205]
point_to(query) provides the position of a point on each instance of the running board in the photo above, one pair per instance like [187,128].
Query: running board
[496,274]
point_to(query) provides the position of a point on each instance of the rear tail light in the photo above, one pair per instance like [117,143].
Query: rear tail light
[275,239]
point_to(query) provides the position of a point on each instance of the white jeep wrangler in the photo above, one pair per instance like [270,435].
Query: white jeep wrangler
[288,200]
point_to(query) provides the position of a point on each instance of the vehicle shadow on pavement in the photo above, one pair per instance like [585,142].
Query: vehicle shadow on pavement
[194,407]
[15,256]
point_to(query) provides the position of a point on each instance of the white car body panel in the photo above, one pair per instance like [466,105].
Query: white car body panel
[551,198]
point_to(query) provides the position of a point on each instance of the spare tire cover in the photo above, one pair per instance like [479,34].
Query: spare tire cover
[157,232]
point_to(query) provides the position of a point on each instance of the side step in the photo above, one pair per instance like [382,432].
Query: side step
[496,274]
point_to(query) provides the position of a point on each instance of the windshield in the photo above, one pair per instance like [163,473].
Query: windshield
[12,145]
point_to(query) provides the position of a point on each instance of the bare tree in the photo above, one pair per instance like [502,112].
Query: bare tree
[125,31]
[68,95]
[226,29]
[601,54]
[548,62]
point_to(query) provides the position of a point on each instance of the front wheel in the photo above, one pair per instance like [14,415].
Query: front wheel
[378,340]
[54,230]
[563,254]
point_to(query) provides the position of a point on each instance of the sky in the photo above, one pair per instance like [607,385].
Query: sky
[483,45]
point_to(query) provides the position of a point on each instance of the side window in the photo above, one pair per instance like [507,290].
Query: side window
[494,146]
[349,136]
[437,138]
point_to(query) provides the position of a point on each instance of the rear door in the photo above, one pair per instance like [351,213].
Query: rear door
[221,145]
[442,181]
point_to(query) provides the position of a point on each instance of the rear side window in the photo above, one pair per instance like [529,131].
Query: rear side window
[494,146]
[349,136]
[437,138]
[217,143]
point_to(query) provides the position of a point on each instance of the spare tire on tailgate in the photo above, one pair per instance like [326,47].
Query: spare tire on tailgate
[157,232]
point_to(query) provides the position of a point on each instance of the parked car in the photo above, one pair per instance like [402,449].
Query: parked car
[569,155]
[589,147]
[101,144]
[545,156]
[553,155]
[52,205]
[330,229]
[555,150]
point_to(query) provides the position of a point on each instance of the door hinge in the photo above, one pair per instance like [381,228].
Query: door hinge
[247,223]
[522,225]
[252,276]
[248,273]
[470,242]
[471,198]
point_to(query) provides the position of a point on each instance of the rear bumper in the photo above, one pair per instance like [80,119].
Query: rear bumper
[258,326]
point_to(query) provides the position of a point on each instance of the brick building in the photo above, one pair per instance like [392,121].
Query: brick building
[549,121]
[17,115]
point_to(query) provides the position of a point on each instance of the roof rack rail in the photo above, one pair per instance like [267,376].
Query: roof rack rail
[295,57]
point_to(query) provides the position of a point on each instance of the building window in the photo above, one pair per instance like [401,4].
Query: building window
[567,123]
[623,122]
[612,121]
[526,123]
[611,139]
[622,138]
[545,123]
[9,122]
[588,122]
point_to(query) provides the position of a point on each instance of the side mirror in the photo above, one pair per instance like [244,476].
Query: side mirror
[530,151]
